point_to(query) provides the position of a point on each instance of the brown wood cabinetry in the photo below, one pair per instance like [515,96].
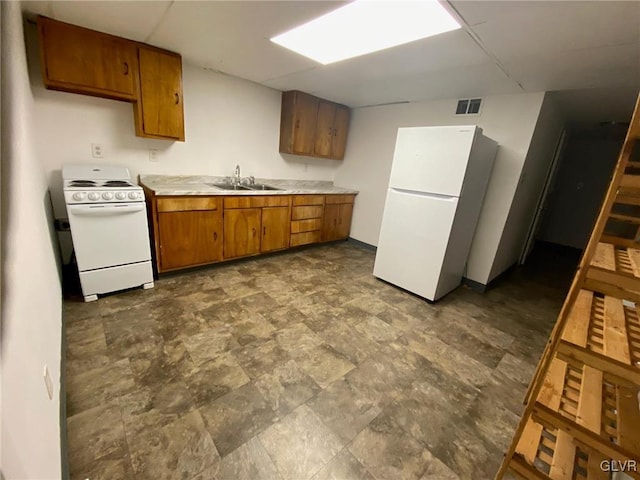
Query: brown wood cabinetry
[196,230]
[275,228]
[189,232]
[254,224]
[241,232]
[159,112]
[306,219]
[79,60]
[312,126]
[338,212]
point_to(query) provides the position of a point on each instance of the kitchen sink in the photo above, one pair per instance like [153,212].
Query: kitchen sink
[229,186]
[262,186]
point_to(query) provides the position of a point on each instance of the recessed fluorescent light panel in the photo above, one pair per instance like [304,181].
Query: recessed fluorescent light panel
[366,26]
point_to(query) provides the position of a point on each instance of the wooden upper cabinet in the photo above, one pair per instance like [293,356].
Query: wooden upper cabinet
[298,123]
[159,112]
[312,126]
[324,130]
[78,60]
[340,130]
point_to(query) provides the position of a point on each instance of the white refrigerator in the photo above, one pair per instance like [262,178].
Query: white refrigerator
[438,180]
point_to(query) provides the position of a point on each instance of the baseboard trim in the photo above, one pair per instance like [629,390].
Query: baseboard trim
[475,286]
[362,244]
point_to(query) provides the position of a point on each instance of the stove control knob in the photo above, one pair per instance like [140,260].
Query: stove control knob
[107,195]
[121,195]
[94,196]
[79,195]
[134,195]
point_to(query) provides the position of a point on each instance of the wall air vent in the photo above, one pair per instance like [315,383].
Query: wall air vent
[469,106]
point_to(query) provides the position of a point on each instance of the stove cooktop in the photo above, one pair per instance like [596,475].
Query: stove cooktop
[82,184]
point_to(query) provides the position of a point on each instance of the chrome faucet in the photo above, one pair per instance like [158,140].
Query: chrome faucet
[237,175]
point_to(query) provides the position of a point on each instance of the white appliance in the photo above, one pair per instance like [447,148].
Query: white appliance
[436,189]
[108,219]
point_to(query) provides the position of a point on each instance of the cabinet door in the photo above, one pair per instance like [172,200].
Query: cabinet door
[304,123]
[324,128]
[159,112]
[79,60]
[276,225]
[344,220]
[189,238]
[241,232]
[330,222]
[340,129]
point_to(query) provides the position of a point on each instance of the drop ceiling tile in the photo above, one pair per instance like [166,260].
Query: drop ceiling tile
[233,37]
[553,27]
[130,19]
[589,68]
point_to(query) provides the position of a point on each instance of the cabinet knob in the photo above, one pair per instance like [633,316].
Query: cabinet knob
[254,231]
[215,236]
[177,98]
[335,132]
[125,68]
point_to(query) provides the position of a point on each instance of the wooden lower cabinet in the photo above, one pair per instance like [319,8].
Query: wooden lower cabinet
[189,238]
[241,232]
[275,228]
[194,230]
[337,221]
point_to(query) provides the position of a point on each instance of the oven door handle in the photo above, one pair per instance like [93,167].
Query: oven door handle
[105,210]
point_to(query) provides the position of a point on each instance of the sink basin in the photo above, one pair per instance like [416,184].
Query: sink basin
[262,186]
[229,186]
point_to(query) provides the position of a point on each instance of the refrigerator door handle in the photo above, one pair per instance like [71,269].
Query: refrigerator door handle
[424,194]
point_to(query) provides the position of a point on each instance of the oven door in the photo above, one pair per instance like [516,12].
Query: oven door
[110,234]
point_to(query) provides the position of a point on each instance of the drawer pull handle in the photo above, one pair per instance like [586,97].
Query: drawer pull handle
[215,236]
[254,231]
[177,98]
[125,70]
[264,230]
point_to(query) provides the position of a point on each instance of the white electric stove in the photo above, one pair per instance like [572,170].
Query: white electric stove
[108,219]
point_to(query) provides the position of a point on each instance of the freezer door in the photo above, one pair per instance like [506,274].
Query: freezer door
[413,240]
[432,159]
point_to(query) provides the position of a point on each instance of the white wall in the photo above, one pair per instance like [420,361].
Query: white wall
[31,292]
[508,119]
[532,179]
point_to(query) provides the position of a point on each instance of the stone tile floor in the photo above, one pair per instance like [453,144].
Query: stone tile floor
[300,366]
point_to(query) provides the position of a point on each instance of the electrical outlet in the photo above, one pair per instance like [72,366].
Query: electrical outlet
[153,155]
[48,383]
[96,150]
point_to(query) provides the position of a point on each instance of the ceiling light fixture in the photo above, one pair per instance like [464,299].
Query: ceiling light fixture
[366,26]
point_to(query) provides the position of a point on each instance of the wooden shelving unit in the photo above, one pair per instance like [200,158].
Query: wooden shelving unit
[582,410]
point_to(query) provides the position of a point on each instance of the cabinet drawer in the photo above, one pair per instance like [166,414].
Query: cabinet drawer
[302,213]
[305,238]
[308,200]
[181,204]
[249,201]
[340,199]
[298,226]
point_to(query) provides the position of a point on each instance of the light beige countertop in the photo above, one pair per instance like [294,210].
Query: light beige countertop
[202,185]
